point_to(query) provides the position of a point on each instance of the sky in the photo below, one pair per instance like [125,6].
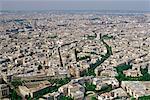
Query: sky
[137,5]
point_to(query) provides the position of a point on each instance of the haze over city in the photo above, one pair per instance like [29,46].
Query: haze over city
[141,5]
[74,49]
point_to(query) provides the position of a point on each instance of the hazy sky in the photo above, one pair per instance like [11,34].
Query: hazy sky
[138,5]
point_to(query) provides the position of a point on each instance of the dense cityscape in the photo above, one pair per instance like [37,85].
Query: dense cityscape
[60,55]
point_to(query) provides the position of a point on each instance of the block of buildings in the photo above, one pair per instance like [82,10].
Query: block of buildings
[136,88]
[34,88]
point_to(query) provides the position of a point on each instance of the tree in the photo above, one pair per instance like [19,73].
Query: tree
[144,70]
[16,83]
[65,98]
[93,98]
[14,95]
[39,67]
[89,86]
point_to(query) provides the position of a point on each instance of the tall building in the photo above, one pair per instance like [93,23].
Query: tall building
[34,23]
[61,63]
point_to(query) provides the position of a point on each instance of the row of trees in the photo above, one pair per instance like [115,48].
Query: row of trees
[144,98]
[65,98]
[90,70]
[45,91]
[60,81]
[14,95]
[121,77]
[107,37]
[16,83]
[100,61]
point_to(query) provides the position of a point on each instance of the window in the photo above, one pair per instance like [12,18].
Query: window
[4,92]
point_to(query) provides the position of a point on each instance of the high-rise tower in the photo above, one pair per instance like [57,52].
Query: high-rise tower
[61,63]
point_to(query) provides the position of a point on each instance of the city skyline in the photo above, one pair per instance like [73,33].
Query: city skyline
[74,49]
